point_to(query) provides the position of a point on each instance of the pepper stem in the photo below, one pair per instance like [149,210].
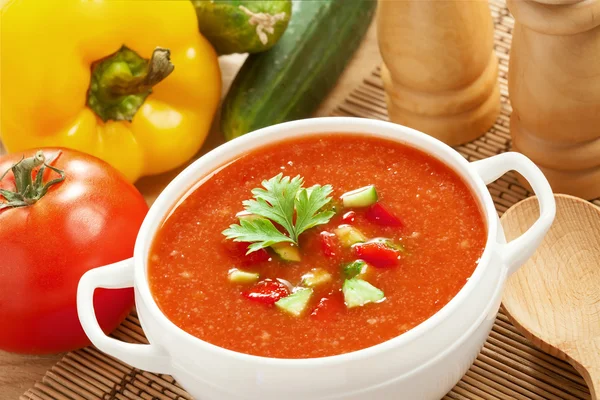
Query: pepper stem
[121,82]
[27,189]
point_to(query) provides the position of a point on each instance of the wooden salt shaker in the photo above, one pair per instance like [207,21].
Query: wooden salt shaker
[554,86]
[439,66]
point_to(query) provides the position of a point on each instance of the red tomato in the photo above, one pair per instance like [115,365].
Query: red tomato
[329,307]
[379,215]
[328,243]
[267,292]
[88,220]
[349,217]
[239,250]
[377,254]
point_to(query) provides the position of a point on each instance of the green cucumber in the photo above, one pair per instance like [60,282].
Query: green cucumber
[295,303]
[289,81]
[357,293]
[348,235]
[394,245]
[316,277]
[238,276]
[242,26]
[248,216]
[287,251]
[363,197]
[390,244]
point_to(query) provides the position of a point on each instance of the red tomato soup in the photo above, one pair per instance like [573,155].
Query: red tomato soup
[376,263]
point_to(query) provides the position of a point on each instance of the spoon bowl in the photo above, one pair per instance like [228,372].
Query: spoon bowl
[554,299]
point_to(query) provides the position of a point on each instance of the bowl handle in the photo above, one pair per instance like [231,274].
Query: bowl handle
[149,357]
[518,251]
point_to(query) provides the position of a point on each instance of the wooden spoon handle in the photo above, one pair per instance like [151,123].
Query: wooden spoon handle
[585,358]
[592,378]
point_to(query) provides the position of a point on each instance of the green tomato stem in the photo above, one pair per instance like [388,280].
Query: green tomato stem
[27,189]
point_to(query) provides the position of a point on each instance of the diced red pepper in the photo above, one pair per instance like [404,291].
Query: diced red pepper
[377,254]
[349,217]
[328,244]
[329,307]
[267,292]
[239,249]
[379,215]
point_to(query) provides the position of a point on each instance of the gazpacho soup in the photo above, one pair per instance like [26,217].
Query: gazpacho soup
[316,246]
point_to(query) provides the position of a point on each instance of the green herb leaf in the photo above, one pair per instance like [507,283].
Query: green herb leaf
[354,268]
[261,232]
[308,203]
[276,201]
[284,201]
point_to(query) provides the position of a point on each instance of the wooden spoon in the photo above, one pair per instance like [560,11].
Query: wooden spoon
[554,299]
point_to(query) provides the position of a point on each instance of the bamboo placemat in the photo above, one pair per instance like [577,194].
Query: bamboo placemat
[508,367]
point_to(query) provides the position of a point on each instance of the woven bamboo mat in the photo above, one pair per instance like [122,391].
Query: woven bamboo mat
[508,367]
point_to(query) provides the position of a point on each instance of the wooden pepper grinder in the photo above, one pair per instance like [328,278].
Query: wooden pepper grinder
[439,66]
[554,86]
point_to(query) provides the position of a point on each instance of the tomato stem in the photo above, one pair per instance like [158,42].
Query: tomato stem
[29,189]
[121,82]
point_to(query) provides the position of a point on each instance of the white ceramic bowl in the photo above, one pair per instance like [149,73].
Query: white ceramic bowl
[423,363]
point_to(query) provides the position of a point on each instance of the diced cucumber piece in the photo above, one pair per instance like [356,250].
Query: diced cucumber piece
[362,197]
[248,216]
[287,251]
[390,244]
[357,293]
[316,277]
[349,235]
[356,268]
[396,246]
[239,276]
[295,303]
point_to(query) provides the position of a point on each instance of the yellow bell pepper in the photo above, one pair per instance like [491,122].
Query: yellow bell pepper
[84,74]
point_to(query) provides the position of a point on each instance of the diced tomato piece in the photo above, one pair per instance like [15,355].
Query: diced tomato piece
[377,254]
[267,292]
[328,244]
[329,307]
[378,214]
[349,217]
[256,256]
[239,249]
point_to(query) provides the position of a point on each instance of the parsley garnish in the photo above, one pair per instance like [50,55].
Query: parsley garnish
[282,199]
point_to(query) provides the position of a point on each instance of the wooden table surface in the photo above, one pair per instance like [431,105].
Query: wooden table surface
[20,372]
